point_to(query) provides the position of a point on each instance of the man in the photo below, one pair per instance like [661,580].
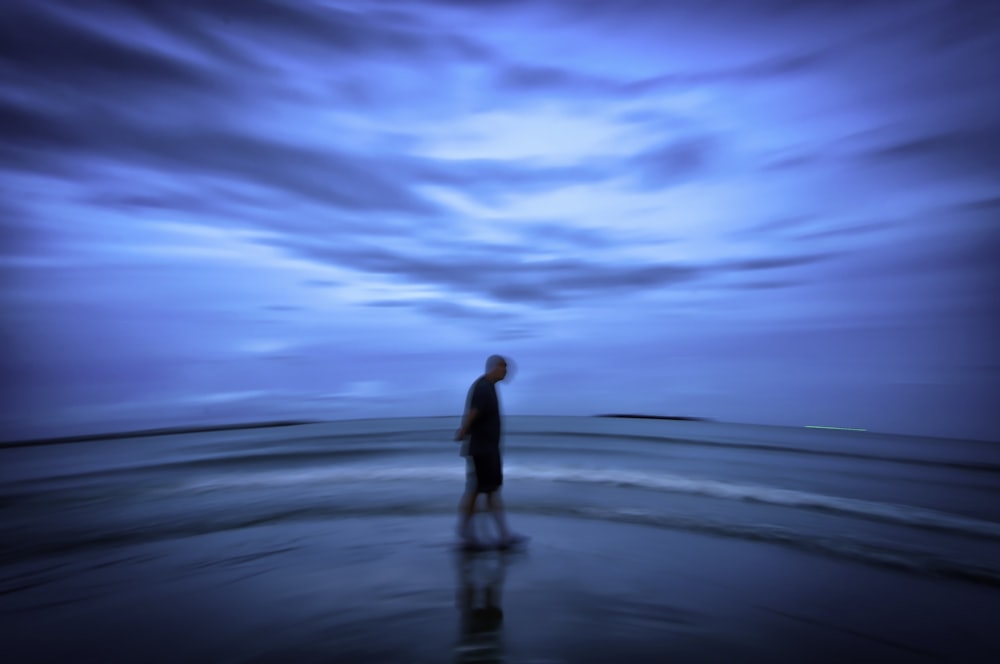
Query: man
[481,424]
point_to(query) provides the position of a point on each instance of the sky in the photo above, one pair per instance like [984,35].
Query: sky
[772,212]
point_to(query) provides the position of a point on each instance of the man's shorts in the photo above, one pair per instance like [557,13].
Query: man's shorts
[487,472]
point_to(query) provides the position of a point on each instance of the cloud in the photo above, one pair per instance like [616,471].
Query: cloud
[328,176]
[437,309]
[961,25]
[808,228]
[23,126]
[527,79]
[523,79]
[769,285]
[41,40]
[773,226]
[965,150]
[340,179]
[504,277]
[491,179]
[569,236]
[20,234]
[853,230]
[775,262]
[509,276]
[747,73]
[233,29]
[986,204]
[672,162]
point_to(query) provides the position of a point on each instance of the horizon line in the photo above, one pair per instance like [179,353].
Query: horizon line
[270,424]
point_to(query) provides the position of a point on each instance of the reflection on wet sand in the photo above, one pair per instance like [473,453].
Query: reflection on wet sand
[479,599]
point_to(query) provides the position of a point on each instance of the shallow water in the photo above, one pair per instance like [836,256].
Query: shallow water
[92,528]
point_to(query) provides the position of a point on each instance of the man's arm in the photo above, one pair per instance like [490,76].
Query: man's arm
[473,407]
[463,431]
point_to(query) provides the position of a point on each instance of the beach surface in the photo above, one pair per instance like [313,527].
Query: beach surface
[650,542]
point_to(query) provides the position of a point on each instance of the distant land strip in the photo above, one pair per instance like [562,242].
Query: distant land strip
[146,433]
[657,417]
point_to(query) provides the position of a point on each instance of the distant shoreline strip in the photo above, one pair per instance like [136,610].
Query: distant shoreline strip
[178,430]
[657,417]
[147,433]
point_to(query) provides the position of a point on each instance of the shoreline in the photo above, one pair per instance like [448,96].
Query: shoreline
[154,432]
[209,428]
[275,424]
[677,418]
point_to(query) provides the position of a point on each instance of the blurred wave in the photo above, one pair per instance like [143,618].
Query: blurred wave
[141,490]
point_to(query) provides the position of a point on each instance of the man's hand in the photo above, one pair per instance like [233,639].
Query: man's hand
[463,430]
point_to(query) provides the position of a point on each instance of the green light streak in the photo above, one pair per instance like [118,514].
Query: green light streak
[813,426]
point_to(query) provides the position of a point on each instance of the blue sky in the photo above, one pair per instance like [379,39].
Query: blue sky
[772,212]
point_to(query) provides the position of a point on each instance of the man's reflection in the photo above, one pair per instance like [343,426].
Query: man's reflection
[479,599]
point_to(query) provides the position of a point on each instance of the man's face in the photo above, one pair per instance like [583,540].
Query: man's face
[500,370]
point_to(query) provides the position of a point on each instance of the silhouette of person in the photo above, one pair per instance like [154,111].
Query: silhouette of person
[479,601]
[481,425]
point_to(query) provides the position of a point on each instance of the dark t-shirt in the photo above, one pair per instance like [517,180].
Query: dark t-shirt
[484,433]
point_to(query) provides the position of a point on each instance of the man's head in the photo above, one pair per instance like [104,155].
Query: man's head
[496,368]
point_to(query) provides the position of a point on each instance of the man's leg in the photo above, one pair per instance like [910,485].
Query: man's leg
[507,538]
[491,480]
[467,504]
[495,506]
[467,509]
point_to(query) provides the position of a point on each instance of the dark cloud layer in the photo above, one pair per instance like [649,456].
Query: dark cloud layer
[213,27]
[530,80]
[505,277]
[974,150]
[482,271]
[50,48]
[444,309]
[339,179]
[676,161]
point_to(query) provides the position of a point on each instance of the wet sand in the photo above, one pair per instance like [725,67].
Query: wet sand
[393,589]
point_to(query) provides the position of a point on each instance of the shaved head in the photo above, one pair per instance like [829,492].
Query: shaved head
[492,361]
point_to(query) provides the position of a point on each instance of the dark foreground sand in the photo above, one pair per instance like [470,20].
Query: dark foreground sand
[391,589]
